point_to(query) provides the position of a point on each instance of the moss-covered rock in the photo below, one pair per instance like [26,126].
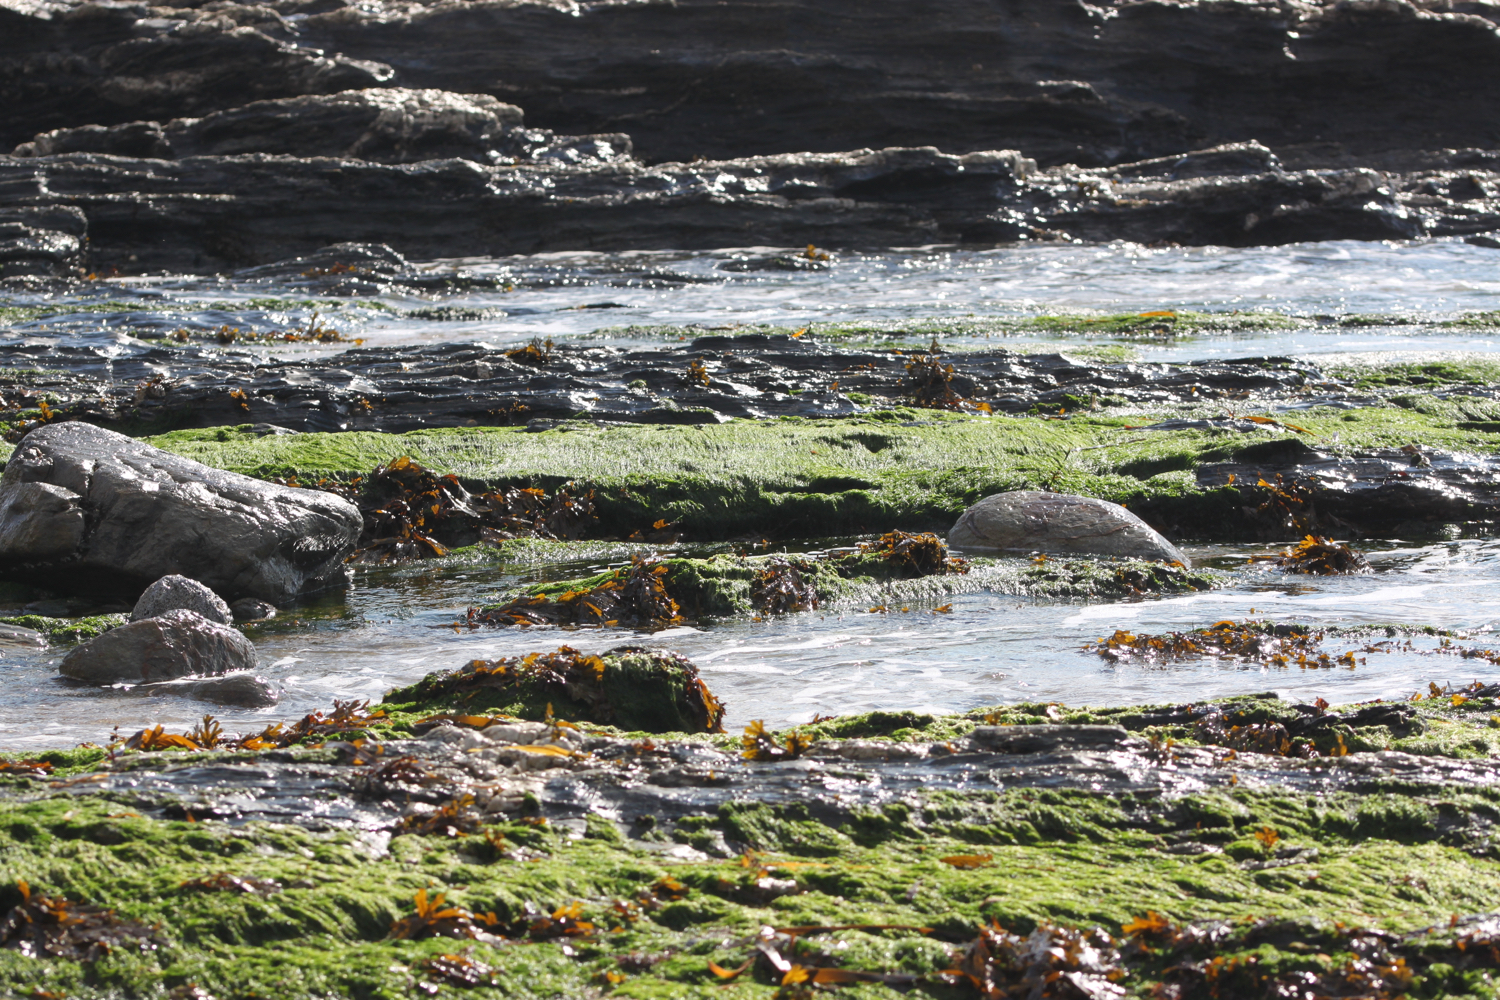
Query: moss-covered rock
[634,689]
[68,629]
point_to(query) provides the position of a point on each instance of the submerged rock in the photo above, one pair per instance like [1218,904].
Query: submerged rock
[178,643]
[248,609]
[95,510]
[1033,521]
[174,591]
[242,689]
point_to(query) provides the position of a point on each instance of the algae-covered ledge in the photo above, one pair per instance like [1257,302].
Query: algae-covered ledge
[468,860]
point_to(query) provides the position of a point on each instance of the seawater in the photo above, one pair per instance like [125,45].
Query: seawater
[389,629]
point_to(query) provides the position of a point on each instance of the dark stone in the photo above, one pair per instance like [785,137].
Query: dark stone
[242,690]
[248,609]
[90,509]
[173,592]
[1048,739]
[176,644]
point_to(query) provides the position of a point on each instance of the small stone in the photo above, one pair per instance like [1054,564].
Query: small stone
[242,689]
[249,609]
[179,643]
[1034,521]
[173,592]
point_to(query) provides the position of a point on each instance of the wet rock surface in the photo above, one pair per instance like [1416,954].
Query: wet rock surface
[241,689]
[110,513]
[1095,85]
[1030,521]
[706,380]
[213,213]
[172,645]
[173,592]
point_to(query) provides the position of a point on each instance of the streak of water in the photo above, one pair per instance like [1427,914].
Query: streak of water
[990,649]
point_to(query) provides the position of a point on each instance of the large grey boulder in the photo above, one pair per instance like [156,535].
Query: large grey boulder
[94,510]
[1033,521]
[175,644]
[173,592]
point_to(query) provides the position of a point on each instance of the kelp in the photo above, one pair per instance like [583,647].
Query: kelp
[1050,962]
[929,384]
[916,554]
[1253,642]
[759,745]
[778,587]
[411,512]
[1321,556]
[435,917]
[634,688]
[225,882]
[635,595]
[54,927]
[346,717]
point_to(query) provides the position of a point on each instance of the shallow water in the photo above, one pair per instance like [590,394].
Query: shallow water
[568,295]
[990,649]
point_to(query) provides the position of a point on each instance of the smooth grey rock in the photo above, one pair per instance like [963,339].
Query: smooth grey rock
[178,643]
[248,609]
[16,635]
[174,591]
[151,513]
[242,690]
[1033,521]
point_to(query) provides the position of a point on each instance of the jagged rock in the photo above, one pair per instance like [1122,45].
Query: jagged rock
[173,592]
[1033,521]
[1067,83]
[92,510]
[242,690]
[44,240]
[248,609]
[179,643]
[386,125]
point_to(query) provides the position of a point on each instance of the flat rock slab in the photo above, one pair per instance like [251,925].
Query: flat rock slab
[95,510]
[242,690]
[1033,521]
[176,644]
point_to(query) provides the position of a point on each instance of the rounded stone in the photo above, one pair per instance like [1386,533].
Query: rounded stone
[173,592]
[178,643]
[1058,523]
[248,609]
[242,690]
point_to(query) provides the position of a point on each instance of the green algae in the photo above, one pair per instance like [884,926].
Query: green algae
[916,470]
[68,629]
[1073,858]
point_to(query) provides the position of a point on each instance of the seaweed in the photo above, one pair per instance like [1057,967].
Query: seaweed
[457,970]
[632,596]
[225,882]
[778,588]
[929,385]
[53,927]
[916,554]
[435,917]
[1248,641]
[759,745]
[1322,557]
[1050,962]
[635,688]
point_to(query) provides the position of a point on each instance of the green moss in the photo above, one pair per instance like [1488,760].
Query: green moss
[68,629]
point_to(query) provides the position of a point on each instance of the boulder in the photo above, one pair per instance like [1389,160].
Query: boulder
[173,592]
[92,510]
[1033,521]
[242,690]
[178,643]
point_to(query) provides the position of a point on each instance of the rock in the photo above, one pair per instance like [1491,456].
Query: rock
[99,511]
[43,240]
[172,592]
[248,609]
[242,689]
[1065,83]
[178,643]
[1033,521]
[385,125]
[1049,739]
[17,635]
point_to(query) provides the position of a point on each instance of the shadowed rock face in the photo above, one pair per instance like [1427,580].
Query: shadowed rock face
[1065,82]
[111,514]
[1032,521]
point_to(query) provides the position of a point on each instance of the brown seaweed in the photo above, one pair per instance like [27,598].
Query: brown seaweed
[54,927]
